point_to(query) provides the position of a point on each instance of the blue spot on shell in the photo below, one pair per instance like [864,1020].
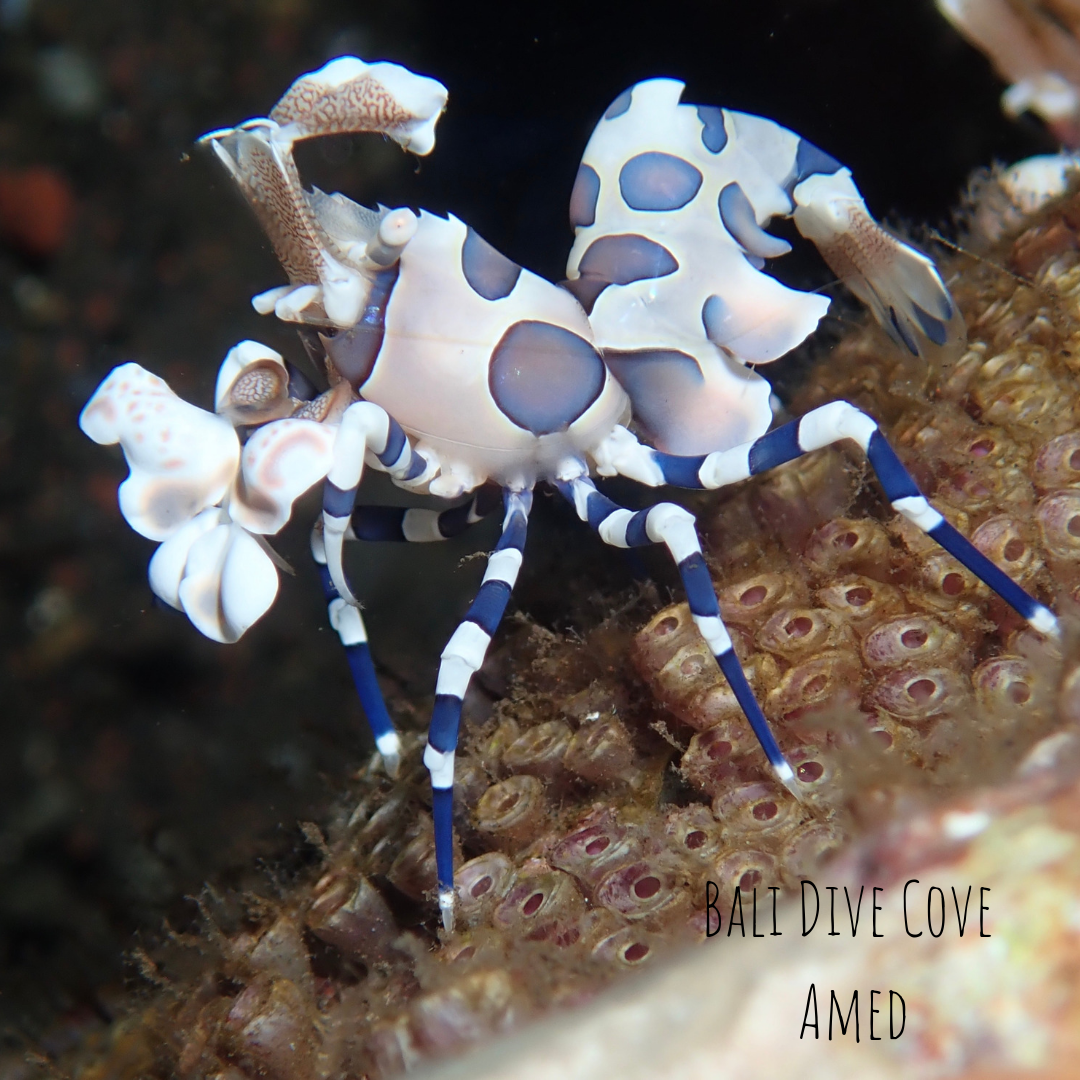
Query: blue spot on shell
[658,381]
[721,322]
[619,260]
[713,134]
[619,105]
[487,270]
[585,290]
[715,313]
[657,181]
[583,197]
[933,328]
[543,377]
[810,160]
[739,219]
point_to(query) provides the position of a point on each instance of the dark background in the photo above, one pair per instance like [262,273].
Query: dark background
[138,760]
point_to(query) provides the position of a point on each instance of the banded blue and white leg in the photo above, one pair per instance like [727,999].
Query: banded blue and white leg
[416,525]
[822,427]
[365,428]
[463,655]
[346,619]
[673,526]
[387,523]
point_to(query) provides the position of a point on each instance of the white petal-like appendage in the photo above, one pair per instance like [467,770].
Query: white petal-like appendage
[228,583]
[236,359]
[1021,190]
[249,583]
[200,589]
[170,560]
[279,463]
[265,302]
[1002,33]
[182,458]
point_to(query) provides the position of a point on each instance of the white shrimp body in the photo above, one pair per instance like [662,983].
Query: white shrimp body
[486,364]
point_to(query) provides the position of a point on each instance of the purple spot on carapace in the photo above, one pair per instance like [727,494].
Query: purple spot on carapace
[739,219]
[585,290]
[619,105]
[658,381]
[808,161]
[353,351]
[627,257]
[619,260]
[716,315]
[544,377]
[713,134]
[657,181]
[583,197]
[487,270]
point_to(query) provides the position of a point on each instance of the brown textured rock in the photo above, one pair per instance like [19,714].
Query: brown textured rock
[797,632]
[413,871]
[543,904]
[272,1028]
[481,883]
[513,811]
[913,639]
[596,847]
[480,1004]
[353,917]
[539,751]
[975,1008]
[601,751]
[720,754]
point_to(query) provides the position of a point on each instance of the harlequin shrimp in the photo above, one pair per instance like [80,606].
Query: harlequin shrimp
[453,369]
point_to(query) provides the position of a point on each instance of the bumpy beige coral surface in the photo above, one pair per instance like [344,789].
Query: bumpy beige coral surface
[611,778]
[1006,1004]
